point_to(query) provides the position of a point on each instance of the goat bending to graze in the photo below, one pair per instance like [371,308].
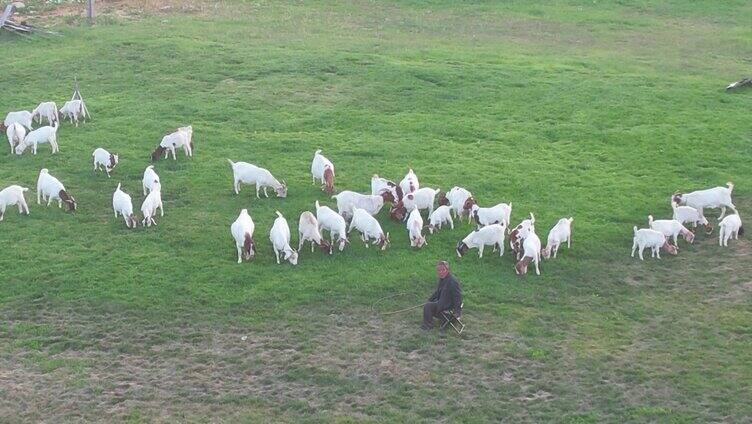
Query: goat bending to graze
[369,228]
[490,235]
[323,169]
[242,231]
[40,135]
[653,239]
[531,252]
[456,199]
[246,173]
[730,226]
[183,138]
[11,196]
[500,213]
[379,186]
[410,183]
[690,215]
[103,158]
[716,197]
[415,229]
[347,200]
[518,234]
[152,202]
[308,230]
[334,223]
[50,188]
[560,233]
[121,204]
[422,198]
[74,110]
[671,228]
[150,179]
[48,111]
[16,134]
[280,238]
[439,216]
[23,117]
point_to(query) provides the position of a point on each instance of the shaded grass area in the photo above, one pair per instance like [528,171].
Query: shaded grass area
[596,111]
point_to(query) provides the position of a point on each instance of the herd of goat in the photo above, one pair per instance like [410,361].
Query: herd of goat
[406,199]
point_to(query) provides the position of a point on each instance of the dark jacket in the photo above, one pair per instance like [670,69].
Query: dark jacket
[448,294]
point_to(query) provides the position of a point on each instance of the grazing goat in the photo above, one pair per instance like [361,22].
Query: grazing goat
[422,198]
[653,239]
[415,229]
[152,202]
[48,111]
[690,215]
[560,233]
[16,134]
[439,216]
[368,227]
[280,238]
[308,230]
[410,183]
[382,185]
[490,235]
[347,200]
[500,213]
[103,158]
[38,136]
[334,223]
[518,234]
[323,169]
[23,117]
[183,137]
[150,179]
[531,249]
[74,110]
[50,188]
[242,232]
[671,228]
[13,195]
[730,226]
[246,173]
[456,198]
[716,197]
[121,204]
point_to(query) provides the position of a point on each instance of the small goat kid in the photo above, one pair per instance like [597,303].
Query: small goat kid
[308,230]
[322,169]
[50,188]
[242,231]
[653,239]
[150,205]
[690,215]
[369,228]
[280,238]
[246,173]
[730,226]
[671,228]
[12,196]
[122,205]
[150,179]
[560,233]
[490,235]
[415,229]
[103,158]
[440,215]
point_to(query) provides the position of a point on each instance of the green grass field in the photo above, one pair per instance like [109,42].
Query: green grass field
[600,110]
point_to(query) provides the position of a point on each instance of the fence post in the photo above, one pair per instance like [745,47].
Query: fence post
[90,11]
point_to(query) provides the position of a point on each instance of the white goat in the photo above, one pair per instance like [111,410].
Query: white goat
[671,228]
[280,238]
[334,223]
[410,183]
[347,200]
[242,231]
[531,248]
[38,136]
[150,179]
[323,169]
[121,204]
[308,230]
[730,226]
[653,239]
[500,213]
[50,188]
[690,215]
[456,198]
[368,227]
[381,185]
[560,233]
[48,111]
[246,173]
[74,110]
[183,138]
[716,197]
[439,216]
[23,117]
[518,234]
[415,229]
[152,202]
[422,198]
[490,235]
[16,134]
[103,158]
[13,195]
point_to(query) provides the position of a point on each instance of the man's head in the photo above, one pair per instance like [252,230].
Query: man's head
[442,269]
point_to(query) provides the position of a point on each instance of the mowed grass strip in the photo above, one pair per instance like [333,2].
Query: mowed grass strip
[596,111]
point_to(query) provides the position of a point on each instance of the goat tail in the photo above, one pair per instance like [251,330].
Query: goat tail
[279,214]
[24,188]
[650,220]
[317,152]
[118,187]
[317,205]
[532,218]
[571,218]
[635,230]
[231,163]
[730,186]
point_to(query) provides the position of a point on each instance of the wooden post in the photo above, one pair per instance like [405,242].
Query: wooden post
[90,11]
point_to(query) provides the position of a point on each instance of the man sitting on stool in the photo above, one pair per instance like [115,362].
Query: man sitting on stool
[448,296]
